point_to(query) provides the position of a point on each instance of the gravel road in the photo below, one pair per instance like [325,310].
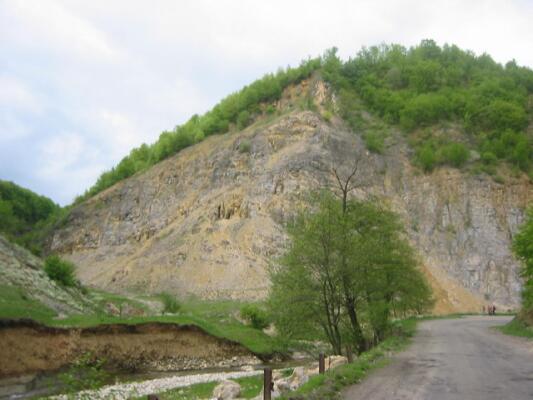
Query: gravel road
[455,359]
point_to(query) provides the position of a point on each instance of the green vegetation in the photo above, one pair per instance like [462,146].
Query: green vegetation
[59,270]
[14,303]
[522,324]
[217,318]
[171,305]
[428,86]
[523,249]
[86,372]
[517,327]
[328,385]
[245,146]
[255,316]
[346,275]
[23,214]
[238,110]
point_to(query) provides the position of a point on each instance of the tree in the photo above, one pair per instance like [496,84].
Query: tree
[523,249]
[59,270]
[347,272]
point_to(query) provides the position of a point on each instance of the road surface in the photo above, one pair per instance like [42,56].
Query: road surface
[455,359]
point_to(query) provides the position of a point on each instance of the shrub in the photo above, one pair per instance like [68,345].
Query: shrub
[245,146]
[255,316]
[243,119]
[59,270]
[426,158]
[327,115]
[455,154]
[87,372]
[374,142]
[489,158]
[170,304]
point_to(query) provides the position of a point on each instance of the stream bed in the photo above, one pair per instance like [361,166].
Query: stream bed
[127,384]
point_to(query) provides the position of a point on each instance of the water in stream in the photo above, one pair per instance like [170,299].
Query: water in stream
[47,384]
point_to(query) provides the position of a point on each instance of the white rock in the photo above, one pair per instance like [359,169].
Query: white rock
[227,390]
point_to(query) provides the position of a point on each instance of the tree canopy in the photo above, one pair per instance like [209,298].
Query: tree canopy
[428,85]
[523,248]
[22,212]
[347,273]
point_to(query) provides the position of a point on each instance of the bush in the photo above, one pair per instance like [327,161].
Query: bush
[245,146]
[170,304]
[374,142]
[255,316]
[426,158]
[59,270]
[455,154]
[489,158]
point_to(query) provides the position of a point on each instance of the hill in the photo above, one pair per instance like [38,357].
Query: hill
[209,220]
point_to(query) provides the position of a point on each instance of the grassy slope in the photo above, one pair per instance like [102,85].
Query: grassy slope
[215,318]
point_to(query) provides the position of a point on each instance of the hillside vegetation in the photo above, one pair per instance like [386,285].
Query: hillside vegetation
[416,88]
[24,214]
[234,112]
[476,103]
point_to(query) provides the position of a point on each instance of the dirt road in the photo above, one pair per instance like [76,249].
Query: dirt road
[455,359]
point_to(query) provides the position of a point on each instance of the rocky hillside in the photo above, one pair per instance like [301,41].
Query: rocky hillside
[209,220]
[25,287]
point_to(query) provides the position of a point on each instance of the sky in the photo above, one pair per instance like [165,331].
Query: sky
[83,82]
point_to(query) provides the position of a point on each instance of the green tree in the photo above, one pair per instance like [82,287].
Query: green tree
[523,249]
[59,270]
[347,272]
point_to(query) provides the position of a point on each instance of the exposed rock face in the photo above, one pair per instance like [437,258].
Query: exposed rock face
[209,220]
[28,347]
[21,269]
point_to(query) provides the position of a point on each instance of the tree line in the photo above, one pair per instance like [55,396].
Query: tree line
[24,214]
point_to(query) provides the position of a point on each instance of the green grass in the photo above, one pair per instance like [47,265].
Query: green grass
[517,327]
[250,388]
[328,385]
[217,318]
[15,304]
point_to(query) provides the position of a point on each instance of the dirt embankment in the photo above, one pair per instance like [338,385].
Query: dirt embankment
[28,347]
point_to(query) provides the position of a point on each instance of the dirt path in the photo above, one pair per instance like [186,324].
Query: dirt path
[455,359]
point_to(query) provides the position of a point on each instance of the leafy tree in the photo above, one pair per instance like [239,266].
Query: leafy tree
[59,270]
[523,249]
[347,272]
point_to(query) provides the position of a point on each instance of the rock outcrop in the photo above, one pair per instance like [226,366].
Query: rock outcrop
[210,220]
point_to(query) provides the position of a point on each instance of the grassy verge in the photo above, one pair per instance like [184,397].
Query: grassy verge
[329,385]
[517,327]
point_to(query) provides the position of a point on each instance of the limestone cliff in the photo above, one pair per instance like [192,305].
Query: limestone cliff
[209,220]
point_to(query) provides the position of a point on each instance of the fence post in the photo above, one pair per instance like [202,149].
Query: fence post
[267,384]
[321,363]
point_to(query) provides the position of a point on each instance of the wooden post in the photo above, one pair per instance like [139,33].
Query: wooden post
[268,384]
[321,363]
